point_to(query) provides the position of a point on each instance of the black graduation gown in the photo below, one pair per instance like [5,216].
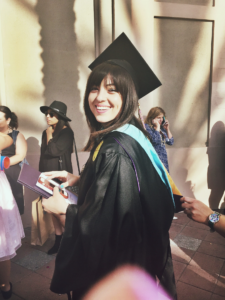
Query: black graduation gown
[113,223]
[60,145]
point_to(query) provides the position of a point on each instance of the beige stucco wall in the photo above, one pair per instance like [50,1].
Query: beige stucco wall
[195,108]
[46,46]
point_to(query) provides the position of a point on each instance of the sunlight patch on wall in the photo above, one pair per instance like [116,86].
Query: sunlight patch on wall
[183,55]
[191,2]
[22,63]
[84,30]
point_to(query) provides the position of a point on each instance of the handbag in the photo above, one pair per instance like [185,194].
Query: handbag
[14,137]
[42,225]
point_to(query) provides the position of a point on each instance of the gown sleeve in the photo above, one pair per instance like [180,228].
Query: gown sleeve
[58,145]
[107,223]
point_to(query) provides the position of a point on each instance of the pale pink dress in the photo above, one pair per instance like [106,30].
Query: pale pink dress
[11,227]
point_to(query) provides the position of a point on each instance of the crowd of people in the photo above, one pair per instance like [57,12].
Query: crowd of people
[125,203]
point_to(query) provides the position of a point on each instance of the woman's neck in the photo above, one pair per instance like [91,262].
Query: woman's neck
[5,130]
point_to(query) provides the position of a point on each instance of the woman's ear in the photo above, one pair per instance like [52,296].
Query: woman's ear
[8,121]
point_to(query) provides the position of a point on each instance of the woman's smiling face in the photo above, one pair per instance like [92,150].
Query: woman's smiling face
[105,102]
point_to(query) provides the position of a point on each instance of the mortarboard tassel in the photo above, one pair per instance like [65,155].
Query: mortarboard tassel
[140,115]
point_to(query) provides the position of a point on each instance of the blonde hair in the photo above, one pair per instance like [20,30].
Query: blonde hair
[154,113]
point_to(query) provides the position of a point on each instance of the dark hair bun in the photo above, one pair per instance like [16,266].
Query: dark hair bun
[14,121]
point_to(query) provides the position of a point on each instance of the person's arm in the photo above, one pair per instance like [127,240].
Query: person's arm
[199,212]
[59,145]
[166,126]
[21,150]
[55,204]
[5,141]
[156,125]
[154,135]
[49,133]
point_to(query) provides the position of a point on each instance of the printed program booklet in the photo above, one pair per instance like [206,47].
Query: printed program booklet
[39,183]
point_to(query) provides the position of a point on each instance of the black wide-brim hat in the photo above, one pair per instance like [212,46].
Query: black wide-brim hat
[123,53]
[57,106]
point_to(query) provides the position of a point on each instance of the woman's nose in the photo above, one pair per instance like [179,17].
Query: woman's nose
[101,96]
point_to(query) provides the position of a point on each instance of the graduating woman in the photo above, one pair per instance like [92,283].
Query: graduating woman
[125,204]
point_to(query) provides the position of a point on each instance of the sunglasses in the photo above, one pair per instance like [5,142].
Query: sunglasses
[50,114]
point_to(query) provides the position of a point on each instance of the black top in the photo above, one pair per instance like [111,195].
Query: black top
[113,224]
[60,145]
[11,150]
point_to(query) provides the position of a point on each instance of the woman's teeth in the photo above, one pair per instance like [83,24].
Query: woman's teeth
[102,107]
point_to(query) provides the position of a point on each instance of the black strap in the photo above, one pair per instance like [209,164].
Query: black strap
[60,158]
[75,148]
[69,296]
[14,136]
[60,164]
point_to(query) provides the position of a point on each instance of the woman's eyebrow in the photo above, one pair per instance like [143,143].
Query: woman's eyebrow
[108,84]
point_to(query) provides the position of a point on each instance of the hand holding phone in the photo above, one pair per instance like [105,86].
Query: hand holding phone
[156,124]
[48,185]
[165,123]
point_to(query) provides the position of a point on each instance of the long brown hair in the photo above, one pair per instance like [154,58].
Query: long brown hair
[60,125]
[125,86]
[154,113]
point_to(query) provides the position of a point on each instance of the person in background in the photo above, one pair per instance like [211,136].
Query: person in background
[125,207]
[11,227]
[16,152]
[159,131]
[199,212]
[56,149]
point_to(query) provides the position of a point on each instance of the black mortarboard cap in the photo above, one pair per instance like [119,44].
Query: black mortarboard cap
[123,53]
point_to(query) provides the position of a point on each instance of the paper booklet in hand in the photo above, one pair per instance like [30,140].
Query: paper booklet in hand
[39,183]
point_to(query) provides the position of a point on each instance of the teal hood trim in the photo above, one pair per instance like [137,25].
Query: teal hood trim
[141,139]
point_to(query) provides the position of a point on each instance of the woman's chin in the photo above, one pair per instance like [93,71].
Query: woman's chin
[103,120]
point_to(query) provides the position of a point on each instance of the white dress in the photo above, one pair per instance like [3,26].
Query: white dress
[11,227]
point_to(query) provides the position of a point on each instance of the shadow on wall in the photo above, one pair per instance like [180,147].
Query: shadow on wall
[60,58]
[187,187]
[33,150]
[216,168]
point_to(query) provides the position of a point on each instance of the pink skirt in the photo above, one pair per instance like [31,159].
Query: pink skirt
[11,227]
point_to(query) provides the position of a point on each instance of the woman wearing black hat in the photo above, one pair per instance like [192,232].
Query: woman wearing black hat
[56,149]
[125,204]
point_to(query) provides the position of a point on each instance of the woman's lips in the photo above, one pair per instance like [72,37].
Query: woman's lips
[102,109]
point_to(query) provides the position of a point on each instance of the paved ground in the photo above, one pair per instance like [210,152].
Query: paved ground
[198,256]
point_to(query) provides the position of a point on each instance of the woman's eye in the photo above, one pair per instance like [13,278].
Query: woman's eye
[112,89]
[94,88]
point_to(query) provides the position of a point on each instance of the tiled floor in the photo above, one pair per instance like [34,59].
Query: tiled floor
[199,260]
[198,257]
